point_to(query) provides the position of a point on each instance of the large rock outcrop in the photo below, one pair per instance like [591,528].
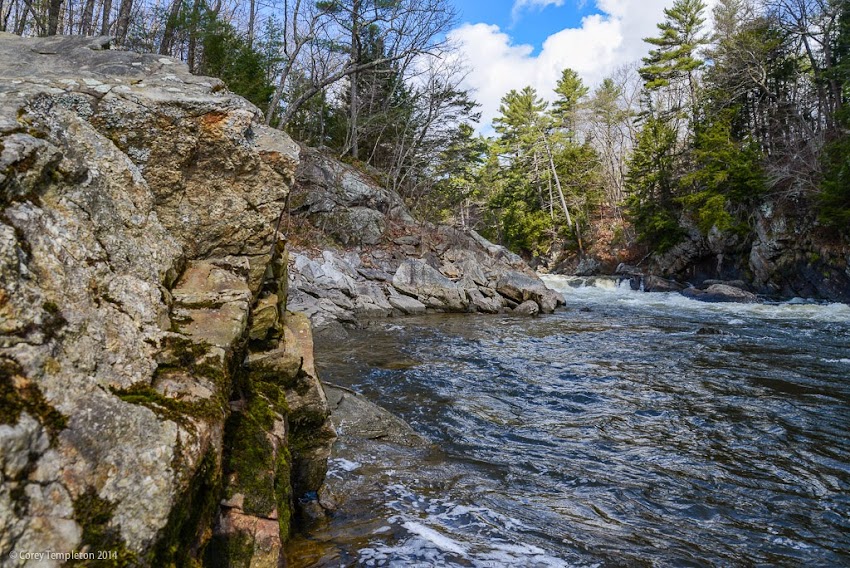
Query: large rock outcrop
[148,368]
[343,201]
[372,260]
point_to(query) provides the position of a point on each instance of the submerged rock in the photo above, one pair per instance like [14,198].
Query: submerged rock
[527,308]
[360,418]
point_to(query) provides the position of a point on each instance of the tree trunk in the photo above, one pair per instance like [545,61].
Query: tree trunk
[53,10]
[251,17]
[5,12]
[123,24]
[193,36]
[354,102]
[22,19]
[86,18]
[170,28]
[570,221]
[107,8]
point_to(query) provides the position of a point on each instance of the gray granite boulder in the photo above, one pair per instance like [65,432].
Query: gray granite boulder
[416,278]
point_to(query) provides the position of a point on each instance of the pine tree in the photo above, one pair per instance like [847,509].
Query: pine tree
[651,183]
[571,93]
[519,199]
[726,180]
[676,59]
[458,169]
[834,199]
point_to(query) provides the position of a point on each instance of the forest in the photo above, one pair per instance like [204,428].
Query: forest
[731,110]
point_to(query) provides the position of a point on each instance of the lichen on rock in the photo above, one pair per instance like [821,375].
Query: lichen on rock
[139,259]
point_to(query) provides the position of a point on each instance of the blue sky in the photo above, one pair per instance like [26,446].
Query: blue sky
[509,44]
[527,24]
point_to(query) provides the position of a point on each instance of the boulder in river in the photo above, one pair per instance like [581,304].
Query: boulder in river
[720,293]
[658,284]
[527,308]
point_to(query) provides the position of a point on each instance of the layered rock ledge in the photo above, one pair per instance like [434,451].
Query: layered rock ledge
[370,259]
[156,399]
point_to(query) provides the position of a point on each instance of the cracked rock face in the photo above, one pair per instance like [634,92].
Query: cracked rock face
[138,206]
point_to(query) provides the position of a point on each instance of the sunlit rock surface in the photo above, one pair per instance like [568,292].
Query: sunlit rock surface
[139,268]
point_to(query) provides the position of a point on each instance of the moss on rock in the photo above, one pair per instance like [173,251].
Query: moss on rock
[183,540]
[251,458]
[230,551]
[173,409]
[94,515]
[18,394]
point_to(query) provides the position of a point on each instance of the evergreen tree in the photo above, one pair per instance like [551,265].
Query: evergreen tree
[458,170]
[571,93]
[726,179]
[651,183]
[834,199]
[518,199]
[676,59]
[227,55]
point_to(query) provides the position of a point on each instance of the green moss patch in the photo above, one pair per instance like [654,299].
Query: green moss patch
[18,395]
[251,456]
[94,515]
[229,551]
[182,541]
[172,409]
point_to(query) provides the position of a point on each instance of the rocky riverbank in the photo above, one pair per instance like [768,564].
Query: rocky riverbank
[787,254]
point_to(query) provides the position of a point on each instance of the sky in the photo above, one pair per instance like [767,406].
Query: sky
[509,44]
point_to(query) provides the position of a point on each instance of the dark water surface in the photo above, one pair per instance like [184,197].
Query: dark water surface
[630,429]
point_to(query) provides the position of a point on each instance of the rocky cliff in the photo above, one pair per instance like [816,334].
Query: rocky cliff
[787,255]
[157,402]
[782,253]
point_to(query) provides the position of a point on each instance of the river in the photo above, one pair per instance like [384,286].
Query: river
[630,429]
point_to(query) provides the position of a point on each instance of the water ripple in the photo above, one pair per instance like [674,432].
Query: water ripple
[620,434]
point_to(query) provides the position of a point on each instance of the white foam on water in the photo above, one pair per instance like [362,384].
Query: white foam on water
[343,464]
[789,543]
[439,540]
[797,309]
[439,532]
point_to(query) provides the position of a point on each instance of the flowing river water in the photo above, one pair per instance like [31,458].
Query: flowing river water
[630,429]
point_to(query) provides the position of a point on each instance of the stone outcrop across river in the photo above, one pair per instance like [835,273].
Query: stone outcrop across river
[788,254]
[156,399]
[397,265]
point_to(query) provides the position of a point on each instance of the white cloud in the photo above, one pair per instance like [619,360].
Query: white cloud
[520,5]
[601,44]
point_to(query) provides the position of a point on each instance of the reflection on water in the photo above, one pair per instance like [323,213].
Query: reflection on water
[631,429]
